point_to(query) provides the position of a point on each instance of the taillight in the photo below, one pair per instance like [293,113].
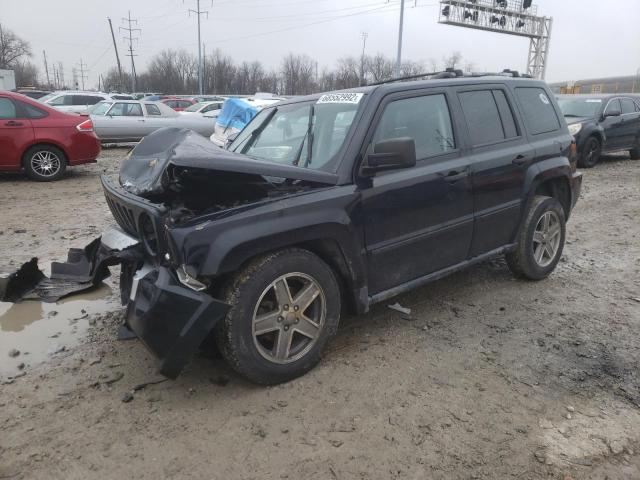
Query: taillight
[86,126]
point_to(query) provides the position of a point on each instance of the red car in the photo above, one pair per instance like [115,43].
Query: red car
[178,104]
[41,140]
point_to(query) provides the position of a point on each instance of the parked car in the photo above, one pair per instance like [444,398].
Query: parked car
[235,114]
[178,104]
[209,98]
[204,107]
[602,124]
[131,120]
[330,202]
[41,140]
[33,93]
[73,102]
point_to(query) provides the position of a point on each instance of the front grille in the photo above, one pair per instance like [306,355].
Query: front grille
[136,216]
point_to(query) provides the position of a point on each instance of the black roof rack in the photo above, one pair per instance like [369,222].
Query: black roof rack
[454,73]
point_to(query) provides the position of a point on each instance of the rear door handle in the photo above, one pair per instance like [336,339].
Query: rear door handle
[520,160]
[12,123]
[454,175]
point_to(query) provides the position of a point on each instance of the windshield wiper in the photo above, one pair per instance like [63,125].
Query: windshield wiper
[309,138]
[251,139]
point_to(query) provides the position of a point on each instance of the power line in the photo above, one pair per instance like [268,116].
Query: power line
[199,13]
[131,21]
[83,76]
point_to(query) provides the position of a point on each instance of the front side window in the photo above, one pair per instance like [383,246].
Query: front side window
[61,100]
[152,109]
[614,106]
[538,110]
[7,108]
[305,134]
[628,106]
[126,110]
[425,119]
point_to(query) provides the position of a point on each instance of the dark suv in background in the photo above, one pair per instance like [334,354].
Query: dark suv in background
[602,124]
[331,202]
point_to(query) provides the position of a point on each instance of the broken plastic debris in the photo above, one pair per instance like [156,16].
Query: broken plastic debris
[399,308]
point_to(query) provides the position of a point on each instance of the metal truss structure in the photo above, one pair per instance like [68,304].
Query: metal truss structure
[511,17]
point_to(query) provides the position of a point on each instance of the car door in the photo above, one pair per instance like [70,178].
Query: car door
[155,119]
[420,220]
[630,124]
[613,126]
[499,156]
[15,134]
[124,121]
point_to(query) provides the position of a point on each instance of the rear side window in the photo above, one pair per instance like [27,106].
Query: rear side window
[61,100]
[152,109]
[184,104]
[538,110]
[7,108]
[126,110]
[425,119]
[628,106]
[30,111]
[484,119]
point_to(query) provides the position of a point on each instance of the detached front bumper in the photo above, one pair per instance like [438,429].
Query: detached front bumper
[170,319]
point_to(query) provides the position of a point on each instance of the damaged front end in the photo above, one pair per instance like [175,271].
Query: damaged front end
[172,178]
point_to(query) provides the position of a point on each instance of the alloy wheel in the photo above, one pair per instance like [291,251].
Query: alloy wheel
[288,318]
[546,239]
[45,163]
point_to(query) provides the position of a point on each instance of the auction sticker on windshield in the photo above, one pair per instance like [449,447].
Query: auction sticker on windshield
[341,98]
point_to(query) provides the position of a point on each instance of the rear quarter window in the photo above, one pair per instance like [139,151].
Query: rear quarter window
[538,110]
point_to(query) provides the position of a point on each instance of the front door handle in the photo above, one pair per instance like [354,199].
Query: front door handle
[520,160]
[13,123]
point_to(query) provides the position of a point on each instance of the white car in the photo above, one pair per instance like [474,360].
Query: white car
[122,121]
[77,102]
[210,108]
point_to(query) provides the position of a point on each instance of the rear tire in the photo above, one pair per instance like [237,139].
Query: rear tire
[591,153]
[44,163]
[540,241]
[634,153]
[285,307]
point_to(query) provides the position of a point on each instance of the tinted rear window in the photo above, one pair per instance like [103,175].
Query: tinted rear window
[538,110]
[482,116]
[627,105]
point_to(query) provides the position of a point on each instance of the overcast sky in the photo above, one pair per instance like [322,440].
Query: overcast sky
[590,38]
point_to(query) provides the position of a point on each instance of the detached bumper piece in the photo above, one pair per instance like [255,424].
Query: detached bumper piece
[171,320]
[84,269]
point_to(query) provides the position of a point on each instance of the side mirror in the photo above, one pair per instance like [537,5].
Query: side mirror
[612,113]
[392,154]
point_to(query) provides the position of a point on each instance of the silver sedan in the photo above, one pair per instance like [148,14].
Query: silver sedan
[130,120]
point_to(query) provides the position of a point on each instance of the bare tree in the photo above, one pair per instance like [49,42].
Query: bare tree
[347,75]
[13,49]
[379,67]
[452,61]
[26,74]
[298,73]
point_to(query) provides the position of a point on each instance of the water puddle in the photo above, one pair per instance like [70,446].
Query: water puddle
[38,329]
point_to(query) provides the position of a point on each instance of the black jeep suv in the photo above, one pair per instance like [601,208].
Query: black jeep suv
[331,202]
[602,124]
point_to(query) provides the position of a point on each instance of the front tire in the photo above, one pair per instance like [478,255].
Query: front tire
[591,153]
[285,307]
[44,163]
[634,153]
[540,241]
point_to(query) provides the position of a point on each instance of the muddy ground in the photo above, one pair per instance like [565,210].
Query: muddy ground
[491,378]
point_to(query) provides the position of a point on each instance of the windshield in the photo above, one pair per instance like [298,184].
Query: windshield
[580,107]
[303,134]
[100,108]
[47,97]
[195,107]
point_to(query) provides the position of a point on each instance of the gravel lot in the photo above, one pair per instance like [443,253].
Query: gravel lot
[491,378]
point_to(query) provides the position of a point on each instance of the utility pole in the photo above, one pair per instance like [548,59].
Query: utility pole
[399,57]
[199,13]
[61,75]
[364,36]
[82,73]
[204,65]
[131,21]
[46,69]
[115,47]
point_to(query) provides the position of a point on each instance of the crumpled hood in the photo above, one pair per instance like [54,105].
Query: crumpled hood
[144,171]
